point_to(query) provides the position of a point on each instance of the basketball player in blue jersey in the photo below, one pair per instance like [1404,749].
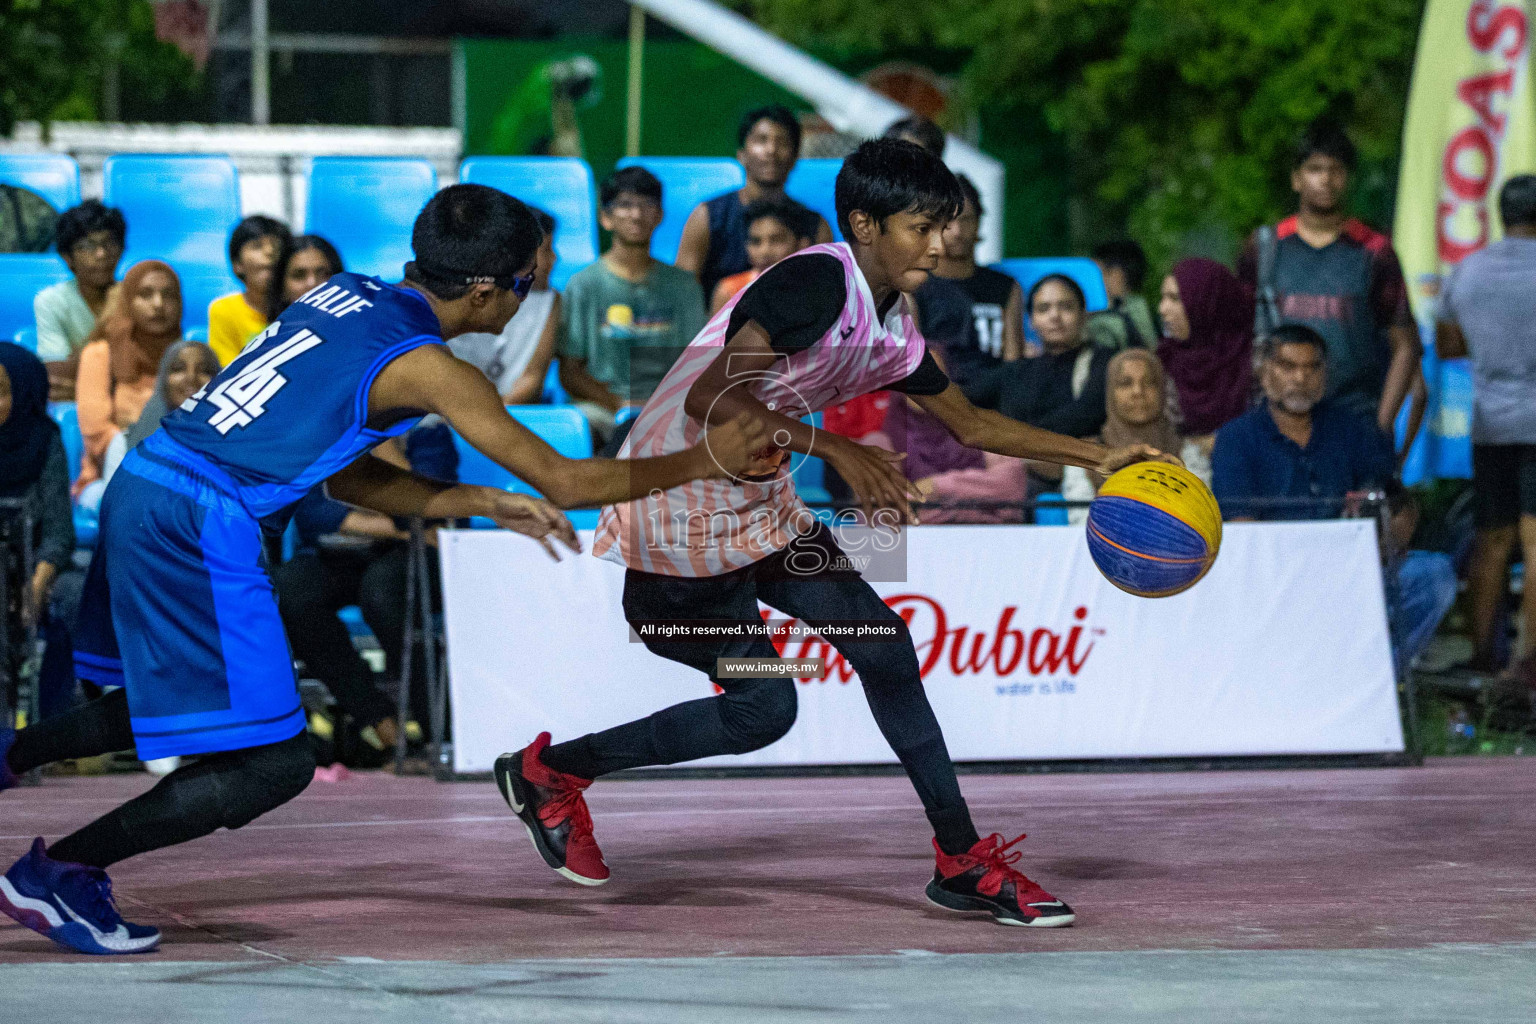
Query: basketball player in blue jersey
[179,612]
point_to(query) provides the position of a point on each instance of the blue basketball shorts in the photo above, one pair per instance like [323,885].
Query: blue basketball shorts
[178,609]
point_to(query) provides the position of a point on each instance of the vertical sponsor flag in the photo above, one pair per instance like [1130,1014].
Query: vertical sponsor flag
[1471,125]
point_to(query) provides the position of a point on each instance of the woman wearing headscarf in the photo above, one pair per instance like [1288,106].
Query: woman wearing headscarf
[119,366]
[1135,411]
[184,369]
[1207,349]
[33,468]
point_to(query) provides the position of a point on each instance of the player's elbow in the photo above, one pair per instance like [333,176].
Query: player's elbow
[700,399]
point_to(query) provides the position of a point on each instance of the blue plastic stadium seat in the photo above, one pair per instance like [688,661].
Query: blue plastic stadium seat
[64,414]
[196,334]
[26,338]
[1050,509]
[22,276]
[1081,269]
[686,181]
[365,206]
[199,287]
[554,393]
[54,176]
[560,186]
[179,208]
[809,472]
[811,184]
[562,427]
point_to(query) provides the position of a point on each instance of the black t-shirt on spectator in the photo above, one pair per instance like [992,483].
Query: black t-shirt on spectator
[1038,391]
[964,316]
[797,300]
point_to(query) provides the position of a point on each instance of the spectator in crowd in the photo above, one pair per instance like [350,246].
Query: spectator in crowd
[118,367]
[962,485]
[919,131]
[1488,311]
[1062,389]
[625,318]
[236,318]
[1127,323]
[1330,272]
[91,238]
[1207,348]
[33,468]
[1297,444]
[185,369]
[776,227]
[714,242]
[303,263]
[975,313]
[1136,405]
[26,220]
[1426,580]
[517,359]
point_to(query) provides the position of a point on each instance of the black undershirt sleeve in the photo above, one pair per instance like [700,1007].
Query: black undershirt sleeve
[796,301]
[927,379]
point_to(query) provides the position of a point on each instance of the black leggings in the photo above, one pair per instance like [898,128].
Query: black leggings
[753,713]
[224,790]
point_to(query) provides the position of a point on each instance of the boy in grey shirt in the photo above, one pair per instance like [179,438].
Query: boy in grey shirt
[1488,311]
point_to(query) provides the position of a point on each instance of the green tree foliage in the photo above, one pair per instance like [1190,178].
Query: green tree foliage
[1178,115]
[56,54]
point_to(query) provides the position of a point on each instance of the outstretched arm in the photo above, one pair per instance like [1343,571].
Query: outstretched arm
[693,247]
[430,379]
[374,484]
[993,432]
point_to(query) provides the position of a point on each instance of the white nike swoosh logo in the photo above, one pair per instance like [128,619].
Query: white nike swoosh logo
[120,934]
[1053,903]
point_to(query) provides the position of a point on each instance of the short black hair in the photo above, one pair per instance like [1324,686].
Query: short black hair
[1326,136]
[920,130]
[635,180]
[79,222]
[254,229]
[470,231]
[775,112]
[291,248]
[800,221]
[889,176]
[1291,334]
[1126,255]
[971,193]
[1061,279]
[1517,201]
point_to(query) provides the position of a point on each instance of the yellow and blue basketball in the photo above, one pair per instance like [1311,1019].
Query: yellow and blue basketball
[1154,529]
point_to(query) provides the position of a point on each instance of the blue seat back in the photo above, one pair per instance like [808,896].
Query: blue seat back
[199,287]
[22,276]
[686,181]
[562,427]
[54,176]
[365,206]
[180,208]
[65,415]
[560,186]
[1081,269]
[812,183]
[26,338]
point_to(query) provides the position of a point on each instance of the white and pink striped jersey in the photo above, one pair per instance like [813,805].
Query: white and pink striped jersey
[710,527]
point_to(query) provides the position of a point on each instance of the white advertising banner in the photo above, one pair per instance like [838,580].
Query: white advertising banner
[1027,652]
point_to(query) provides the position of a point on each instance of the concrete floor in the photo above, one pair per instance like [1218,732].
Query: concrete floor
[1342,895]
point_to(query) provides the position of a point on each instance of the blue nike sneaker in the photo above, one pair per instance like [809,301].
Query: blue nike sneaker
[71,904]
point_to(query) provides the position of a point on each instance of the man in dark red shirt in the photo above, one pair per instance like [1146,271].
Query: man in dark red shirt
[1328,271]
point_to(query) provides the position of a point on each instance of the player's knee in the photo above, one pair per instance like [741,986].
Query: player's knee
[268,778]
[759,716]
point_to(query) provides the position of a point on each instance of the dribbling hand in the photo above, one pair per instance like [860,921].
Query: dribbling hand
[1119,458]
[532,517]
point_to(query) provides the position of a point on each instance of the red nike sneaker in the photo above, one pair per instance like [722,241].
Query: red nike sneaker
[985,879]
[553,811]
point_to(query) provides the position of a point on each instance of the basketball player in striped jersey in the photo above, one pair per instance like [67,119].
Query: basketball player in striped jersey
[820,327]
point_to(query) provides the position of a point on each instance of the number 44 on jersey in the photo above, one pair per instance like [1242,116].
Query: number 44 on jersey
[239,398]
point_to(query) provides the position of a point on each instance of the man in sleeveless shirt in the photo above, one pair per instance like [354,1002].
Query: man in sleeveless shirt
[825,324]
[179,612]
[714,242]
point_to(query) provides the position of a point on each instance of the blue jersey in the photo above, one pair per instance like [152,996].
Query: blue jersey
[292,408]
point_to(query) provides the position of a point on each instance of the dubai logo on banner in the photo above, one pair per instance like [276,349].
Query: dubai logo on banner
[1468,129]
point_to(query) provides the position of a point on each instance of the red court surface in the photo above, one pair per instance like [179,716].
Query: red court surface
[408,869]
